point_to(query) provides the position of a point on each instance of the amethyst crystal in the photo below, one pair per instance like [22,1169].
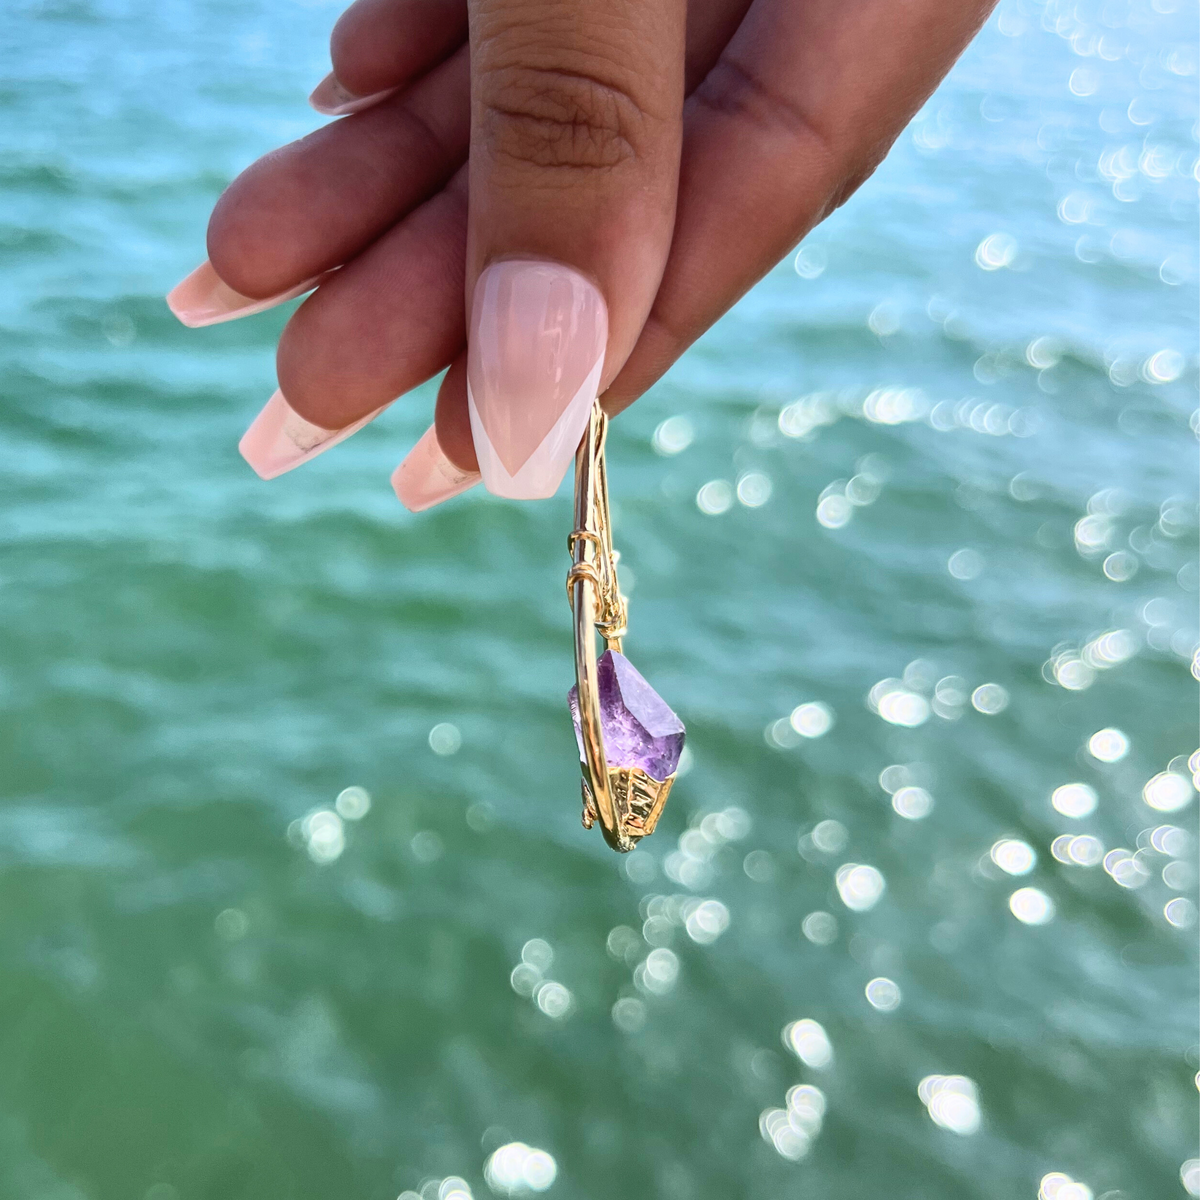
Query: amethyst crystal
[639,729]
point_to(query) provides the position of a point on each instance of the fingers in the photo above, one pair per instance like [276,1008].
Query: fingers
[312,205]
[303,205]
[759,133]
[380,45]
[443,463]
[385,323]
[575,132]
[778,139]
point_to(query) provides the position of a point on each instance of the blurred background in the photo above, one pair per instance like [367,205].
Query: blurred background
[295,898]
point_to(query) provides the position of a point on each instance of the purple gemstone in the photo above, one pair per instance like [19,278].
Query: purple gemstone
[639,729]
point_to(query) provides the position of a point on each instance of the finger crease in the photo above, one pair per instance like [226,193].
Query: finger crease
[735,91]
[554,118]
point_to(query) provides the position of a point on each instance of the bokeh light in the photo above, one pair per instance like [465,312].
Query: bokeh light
[1108,745]
[1013,856]
[515,1169]
[995,251]
[445,739]
[1075,800]
[965,564]
[898,704]
[791,1130]
[810,1043]
[1168,791]
[1031,906]
[324,834]
[989,698]
[353,803]
[912,803]
[812,719]
[821,928]
[952,1102]
[883,994]
[860,887]
[1189,1176]
[673,436]
[754,489]
[829,836]
[715,497]
[1057,1185]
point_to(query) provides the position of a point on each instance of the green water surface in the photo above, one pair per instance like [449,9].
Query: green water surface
[203,997]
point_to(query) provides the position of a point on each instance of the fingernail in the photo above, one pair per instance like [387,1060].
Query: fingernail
[202,299]
[280,439]
[427,477]
[534,357]
[332,100]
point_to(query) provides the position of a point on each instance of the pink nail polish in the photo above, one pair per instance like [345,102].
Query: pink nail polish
[535,354]
[427,477]
[279,438]
[202,299]
[330,99]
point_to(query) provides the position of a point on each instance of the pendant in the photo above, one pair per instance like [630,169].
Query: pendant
[629,740]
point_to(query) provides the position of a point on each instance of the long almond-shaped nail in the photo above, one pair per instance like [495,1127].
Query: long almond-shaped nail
[427,477]
[330,99]
[279,438]
[202,299]
[534,358]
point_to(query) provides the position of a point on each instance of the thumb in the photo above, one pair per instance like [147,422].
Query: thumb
[576,113]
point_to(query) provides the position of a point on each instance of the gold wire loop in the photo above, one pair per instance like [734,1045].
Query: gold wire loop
[598,606]
[583,570]
[593,532]
[625,799]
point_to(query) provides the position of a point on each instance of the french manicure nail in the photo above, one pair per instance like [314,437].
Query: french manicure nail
[534,358]
[202,299]
[427,477]
[279,438]
[330,99]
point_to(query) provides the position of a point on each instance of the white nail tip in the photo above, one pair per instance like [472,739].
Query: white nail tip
[539,476]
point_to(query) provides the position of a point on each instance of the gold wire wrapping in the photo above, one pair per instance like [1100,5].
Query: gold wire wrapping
[626,801]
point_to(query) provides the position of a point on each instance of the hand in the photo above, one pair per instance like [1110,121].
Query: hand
[658,213]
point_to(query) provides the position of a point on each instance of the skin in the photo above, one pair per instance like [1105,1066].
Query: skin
[672,157]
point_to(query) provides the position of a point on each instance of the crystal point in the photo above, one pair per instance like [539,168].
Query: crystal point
[638,726]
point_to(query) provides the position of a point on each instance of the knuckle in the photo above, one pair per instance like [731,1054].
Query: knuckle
[550,117]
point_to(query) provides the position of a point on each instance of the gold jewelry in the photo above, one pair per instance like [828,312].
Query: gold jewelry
[627,735]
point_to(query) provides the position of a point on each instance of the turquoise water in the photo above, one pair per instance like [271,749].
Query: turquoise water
[914,468]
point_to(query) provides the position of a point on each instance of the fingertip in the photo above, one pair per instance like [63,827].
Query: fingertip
[280,439]
[202,298]
[331,99]
[427,477]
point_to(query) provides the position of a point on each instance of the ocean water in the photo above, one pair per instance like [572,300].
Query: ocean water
[294,897]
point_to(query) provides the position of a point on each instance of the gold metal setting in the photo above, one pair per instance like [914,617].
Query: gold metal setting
[625,800]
